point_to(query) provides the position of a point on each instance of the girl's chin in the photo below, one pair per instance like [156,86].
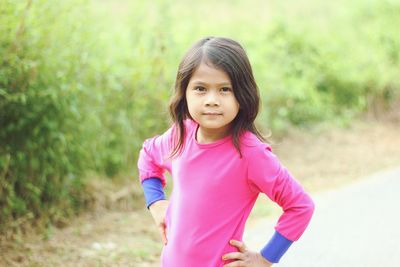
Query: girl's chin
[212,125]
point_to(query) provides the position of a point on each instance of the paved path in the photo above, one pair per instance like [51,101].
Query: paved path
[354,226]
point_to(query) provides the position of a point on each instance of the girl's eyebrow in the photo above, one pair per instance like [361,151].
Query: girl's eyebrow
[203,83]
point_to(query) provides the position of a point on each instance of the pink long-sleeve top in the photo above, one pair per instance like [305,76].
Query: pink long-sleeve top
[214,191]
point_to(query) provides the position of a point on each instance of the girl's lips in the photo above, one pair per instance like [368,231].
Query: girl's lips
[212,113]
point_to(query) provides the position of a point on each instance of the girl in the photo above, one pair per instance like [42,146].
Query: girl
[219,163]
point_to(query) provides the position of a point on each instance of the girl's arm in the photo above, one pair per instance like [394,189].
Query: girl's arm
[157,204]
[153,157]
[267,175]
[152,162]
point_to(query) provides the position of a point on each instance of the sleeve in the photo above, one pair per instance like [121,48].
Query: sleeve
[153,191]
[153,157]
[267,175]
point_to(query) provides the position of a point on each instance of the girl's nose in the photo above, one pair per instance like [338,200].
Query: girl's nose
[212,99]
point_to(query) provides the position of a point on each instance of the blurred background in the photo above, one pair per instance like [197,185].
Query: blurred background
[83,83]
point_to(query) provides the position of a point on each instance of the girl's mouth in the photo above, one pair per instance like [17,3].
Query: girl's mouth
[212,113]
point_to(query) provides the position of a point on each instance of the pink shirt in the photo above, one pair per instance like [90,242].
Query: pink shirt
[214,191]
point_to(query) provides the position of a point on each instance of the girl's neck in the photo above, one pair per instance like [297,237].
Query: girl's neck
[205,136]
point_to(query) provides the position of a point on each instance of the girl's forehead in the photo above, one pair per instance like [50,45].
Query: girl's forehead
[207,73]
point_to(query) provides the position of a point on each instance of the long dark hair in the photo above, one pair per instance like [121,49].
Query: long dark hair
[227,55]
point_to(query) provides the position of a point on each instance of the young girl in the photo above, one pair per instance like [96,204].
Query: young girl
[219,163]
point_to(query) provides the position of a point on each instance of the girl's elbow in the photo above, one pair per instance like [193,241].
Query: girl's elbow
[310,207]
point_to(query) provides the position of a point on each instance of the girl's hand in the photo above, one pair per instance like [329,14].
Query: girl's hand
[158,210]
[245,258]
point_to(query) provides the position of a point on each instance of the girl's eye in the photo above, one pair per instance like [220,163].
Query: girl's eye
[199,89]
[226,89]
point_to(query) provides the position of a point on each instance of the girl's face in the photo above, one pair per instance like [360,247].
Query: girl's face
[210,99]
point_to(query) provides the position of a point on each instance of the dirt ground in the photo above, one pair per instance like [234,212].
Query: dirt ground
[319,158]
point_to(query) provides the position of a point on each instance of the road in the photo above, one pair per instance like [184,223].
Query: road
[354,226]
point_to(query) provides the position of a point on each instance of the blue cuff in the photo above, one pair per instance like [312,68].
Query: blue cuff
[276,247]
[153,190]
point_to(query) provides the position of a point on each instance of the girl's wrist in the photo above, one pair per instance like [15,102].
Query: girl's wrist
[264,260]
[157,204]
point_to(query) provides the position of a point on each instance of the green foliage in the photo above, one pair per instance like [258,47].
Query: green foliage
[83,83]
[315,75]
[40,139]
